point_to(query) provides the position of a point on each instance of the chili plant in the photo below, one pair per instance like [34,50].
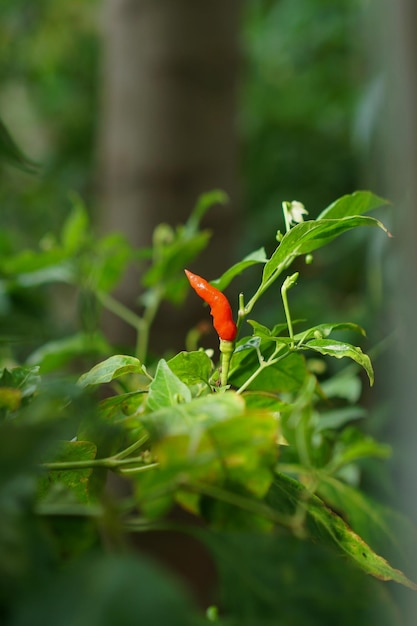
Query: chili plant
[260,443]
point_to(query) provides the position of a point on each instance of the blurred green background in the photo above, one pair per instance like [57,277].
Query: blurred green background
[48,77]
[303,80]
[304,124]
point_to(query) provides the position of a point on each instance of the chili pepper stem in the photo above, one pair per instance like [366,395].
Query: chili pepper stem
[226,351]
[241,312]
[288,282]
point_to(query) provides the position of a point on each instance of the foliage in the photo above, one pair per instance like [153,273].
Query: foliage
[300,86]
[307,113]
[266,464]
[301,89]
[48,100]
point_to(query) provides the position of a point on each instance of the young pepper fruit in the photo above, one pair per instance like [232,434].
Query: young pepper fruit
[223,321]
[219,306]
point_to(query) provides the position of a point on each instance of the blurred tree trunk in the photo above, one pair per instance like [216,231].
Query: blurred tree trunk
[167,128]
[398,163]
[401,17]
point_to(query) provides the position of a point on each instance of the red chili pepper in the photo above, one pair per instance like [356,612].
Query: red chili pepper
[219,306]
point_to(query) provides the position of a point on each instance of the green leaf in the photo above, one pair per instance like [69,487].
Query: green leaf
[29,261]
[321,331]
[247,344]
[60,273]
[10,399]
[166,274]
[356,203]
[215,443]
[303,239]
[75,228]
[262,331]
[271,579]
[309,236]
[354,445]
[379,526]
[178,418]
[340,350]
[254,258]
[339,417]
[263,400]
[324,525]
[26,379]
[12,154]
[166,389]
[204,203]
[122,405]
[77,481]
[55,354]
[247,448]
[286,375]
[172,256]
[111,256]
[344,384]
[17,386]
[113,367]
[192,367]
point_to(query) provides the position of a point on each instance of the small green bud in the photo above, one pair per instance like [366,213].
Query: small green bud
[309,259]
[212,613]
[290,281]
[163,235]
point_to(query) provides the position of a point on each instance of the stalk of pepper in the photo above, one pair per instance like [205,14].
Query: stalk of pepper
[223,321]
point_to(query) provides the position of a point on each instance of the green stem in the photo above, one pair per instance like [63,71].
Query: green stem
[119,309]
[262,365]
[142,324]
[261,289]
[288,282]
[148,317]
[138,469]
[139,524]
[264,286]
[108,463]
[241,312]
[286,216]
[135,446]
[226,351]
[76,509]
